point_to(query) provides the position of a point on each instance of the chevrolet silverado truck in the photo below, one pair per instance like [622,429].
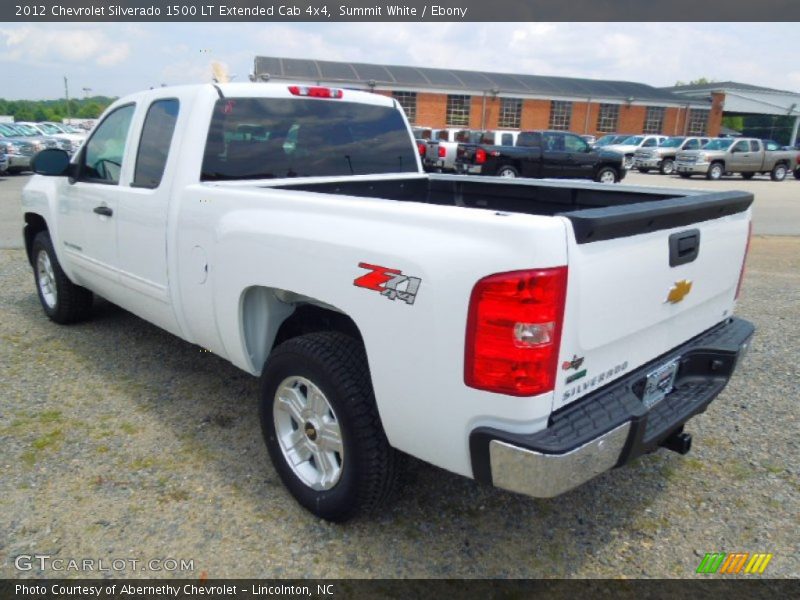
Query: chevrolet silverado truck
[632,144]
[528,334]
[542,154]
[747,156]
[662,157]
[440,156]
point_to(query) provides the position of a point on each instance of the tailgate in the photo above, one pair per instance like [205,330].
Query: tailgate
[644,278]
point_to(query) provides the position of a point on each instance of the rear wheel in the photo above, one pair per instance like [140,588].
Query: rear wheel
[607,175]
[667,166]
[62,301]
[715,171]
[508,172]
[779,172]
[321,426]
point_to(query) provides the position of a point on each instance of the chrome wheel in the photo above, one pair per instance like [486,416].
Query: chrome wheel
[628,163]
[668,167]
[715,171]
[508,173]
[308,433]
[46,279]
[608,176]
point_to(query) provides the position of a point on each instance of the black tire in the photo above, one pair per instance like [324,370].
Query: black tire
[643,169]
[507,171]
[685,175]
[797,173]
[337,365]
[748,175]
[69,303]
[715,171]
[779,172]
[667,166]
[607,175]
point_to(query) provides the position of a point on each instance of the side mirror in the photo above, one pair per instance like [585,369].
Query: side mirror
[51,162]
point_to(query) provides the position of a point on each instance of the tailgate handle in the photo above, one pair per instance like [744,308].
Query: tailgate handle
[684,247]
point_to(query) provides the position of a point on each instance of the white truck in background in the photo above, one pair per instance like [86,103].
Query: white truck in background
[529,334]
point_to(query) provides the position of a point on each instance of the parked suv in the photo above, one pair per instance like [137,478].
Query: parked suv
[662,157]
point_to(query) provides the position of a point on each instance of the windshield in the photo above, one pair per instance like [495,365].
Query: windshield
[673,142]
[26,129]
[50,129]
[606,140]
[257,138]
[721,144]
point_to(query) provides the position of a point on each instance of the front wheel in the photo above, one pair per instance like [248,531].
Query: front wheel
[62,301]
[715,171]
[667,166]
[779,173]
[508,172]
[607,175]
[321,426]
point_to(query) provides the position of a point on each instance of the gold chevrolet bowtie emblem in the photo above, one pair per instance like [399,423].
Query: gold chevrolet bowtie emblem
[679,291]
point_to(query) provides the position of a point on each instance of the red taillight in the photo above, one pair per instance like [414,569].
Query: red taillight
[480,156]
[315,91]
[442,151]
[744,260]
[421,149]
[514,331]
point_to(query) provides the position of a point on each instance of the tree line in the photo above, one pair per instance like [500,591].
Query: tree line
[55,110]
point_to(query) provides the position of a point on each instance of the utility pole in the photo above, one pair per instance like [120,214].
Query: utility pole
[66,92]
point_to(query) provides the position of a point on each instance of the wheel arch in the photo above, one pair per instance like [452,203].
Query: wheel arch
[270,316]
[34,224]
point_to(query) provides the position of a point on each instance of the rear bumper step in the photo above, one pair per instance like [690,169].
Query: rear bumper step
[612,426]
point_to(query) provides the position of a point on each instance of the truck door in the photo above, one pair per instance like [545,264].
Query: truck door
[141,216]
[742,158]
[87,205]
[580,159]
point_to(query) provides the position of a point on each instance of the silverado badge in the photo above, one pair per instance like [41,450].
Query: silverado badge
[679,291]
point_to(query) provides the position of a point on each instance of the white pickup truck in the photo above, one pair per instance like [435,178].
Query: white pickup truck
[530,334]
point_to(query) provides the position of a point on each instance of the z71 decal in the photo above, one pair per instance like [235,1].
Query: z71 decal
[389,282]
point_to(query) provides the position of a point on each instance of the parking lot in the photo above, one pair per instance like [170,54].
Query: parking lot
[122,441]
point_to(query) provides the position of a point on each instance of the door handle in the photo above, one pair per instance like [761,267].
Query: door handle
[103,210]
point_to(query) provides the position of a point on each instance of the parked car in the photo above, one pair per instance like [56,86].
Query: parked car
[528,334]
[51,136]
[747,156]
[631,144]
[662,157]
[3,158]
[443,147]
[542,154]
[20,149]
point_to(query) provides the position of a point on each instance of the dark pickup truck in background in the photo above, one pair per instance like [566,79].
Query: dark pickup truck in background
[542,154]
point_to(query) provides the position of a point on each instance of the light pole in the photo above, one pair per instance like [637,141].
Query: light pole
[66,92]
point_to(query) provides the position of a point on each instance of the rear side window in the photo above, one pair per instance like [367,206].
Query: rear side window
[507,139]
[255,138]
[159,125]
[529,139]
[692,145]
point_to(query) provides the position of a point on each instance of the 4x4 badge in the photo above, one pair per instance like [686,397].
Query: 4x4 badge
[391,283]
[575,363]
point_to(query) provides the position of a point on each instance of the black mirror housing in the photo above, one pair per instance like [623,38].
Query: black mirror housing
[52,162]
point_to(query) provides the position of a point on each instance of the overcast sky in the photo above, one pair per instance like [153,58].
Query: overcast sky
[116,58]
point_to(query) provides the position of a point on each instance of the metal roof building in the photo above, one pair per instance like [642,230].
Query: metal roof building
[395,77]
[482,100]
[743,99]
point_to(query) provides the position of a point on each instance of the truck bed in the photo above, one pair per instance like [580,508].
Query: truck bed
[597,211]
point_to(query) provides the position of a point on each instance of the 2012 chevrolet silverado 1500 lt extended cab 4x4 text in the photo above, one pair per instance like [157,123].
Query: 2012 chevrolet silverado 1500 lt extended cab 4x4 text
[530,335]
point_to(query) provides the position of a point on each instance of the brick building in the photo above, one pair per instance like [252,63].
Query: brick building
[480,100]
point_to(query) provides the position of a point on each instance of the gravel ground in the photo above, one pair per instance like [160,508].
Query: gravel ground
[121,441]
